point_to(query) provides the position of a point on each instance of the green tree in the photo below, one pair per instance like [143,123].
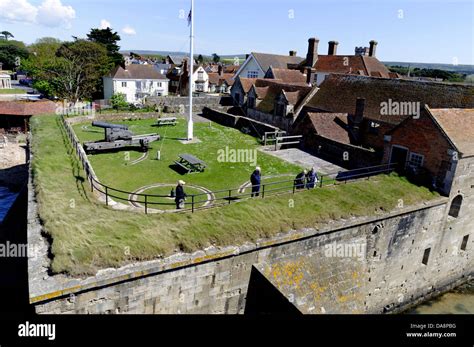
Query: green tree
[6,34]
[118,101]
[200,59]
[216,58]
[109,39]
[12,53]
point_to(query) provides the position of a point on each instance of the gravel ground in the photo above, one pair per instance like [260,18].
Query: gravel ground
[13,164]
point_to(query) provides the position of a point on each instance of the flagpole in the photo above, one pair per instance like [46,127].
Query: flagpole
[191,67]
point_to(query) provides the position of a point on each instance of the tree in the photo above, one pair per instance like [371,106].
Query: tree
[118,101]
[12,53]
[6,35]
[200,59]
[216,58]
[109,39]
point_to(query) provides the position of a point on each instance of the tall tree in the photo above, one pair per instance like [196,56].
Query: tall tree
[6,34]
[200,59]
[216,58]
[12,53]
[109,39]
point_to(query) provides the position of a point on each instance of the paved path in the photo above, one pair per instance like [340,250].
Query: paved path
[304,159]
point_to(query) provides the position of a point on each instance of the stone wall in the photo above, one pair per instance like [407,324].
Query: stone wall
[389,276]
[180,104]
[283,123]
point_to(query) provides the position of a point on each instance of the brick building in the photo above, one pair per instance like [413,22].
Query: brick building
[434,144]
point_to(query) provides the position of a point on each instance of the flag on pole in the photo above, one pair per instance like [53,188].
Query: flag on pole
[189,18]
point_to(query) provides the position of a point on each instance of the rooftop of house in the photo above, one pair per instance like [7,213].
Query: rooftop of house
[332,126]
[136,72]
[266,60]
[286,75]
[268,89]
[338,93]
[27,108]
[216,78]
[458,125]
[352,64]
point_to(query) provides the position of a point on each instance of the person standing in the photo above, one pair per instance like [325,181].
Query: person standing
[255,179]
[299,179]
[180,195]
[311,179]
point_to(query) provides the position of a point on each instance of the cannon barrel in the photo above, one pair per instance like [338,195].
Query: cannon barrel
[109,125]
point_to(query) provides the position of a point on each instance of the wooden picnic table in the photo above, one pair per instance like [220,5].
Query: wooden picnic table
[166,121]
[190,163]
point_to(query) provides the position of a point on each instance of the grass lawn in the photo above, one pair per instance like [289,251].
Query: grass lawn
[12,91]
[114,169]
[88,236]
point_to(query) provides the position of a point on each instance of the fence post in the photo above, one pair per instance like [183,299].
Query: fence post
[192,203]
[106,196]
[146,204]
[263,191]
[321,182]
[230,194]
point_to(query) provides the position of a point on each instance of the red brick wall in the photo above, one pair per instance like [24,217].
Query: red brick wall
[423,137]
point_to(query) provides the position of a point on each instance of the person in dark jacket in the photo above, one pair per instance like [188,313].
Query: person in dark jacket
[299,179]
[311,179]
[255,179]
[180,195]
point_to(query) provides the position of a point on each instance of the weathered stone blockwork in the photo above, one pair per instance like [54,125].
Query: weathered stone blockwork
[389,276]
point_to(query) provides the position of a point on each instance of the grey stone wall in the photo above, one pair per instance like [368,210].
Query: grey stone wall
[389,277]
[284,123]
[180,104]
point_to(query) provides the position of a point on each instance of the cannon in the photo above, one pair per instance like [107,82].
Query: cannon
[118,136]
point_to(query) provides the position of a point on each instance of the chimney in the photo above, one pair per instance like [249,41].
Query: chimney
[309,75]
[332,48]
[219,69]
[292,53]
[359,111]
[312,55]
[373,47]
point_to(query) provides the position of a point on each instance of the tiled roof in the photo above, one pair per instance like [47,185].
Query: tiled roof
[351,64]
[215,78]
[268,89]
[136,72]
[332,126]
[458,124]
[231,68]
[338,93]
[247,83]
[288,76]
[277,61]
[27,108]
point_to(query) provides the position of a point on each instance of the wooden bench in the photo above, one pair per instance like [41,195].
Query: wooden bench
[190,163]
[166,121]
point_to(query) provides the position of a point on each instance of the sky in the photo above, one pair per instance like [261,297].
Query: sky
[428,31]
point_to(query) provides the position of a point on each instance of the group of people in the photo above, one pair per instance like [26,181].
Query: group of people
[305,179]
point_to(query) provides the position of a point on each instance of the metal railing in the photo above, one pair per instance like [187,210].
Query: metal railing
[217,197]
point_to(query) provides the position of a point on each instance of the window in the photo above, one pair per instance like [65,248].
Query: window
[464,242]
[200,76]
[252,74]
[158,84]
[455,206]
[416,160]
[124,84]
[426,256]
[374,128]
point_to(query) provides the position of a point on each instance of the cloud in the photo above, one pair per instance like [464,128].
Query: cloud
[104,24]
[128,30]
[51,13]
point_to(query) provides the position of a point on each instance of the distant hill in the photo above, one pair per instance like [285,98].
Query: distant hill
[463,69]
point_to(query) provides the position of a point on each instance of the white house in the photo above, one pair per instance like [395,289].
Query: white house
[136,82]
[200,80]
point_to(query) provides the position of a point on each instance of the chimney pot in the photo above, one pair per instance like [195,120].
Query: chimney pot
[292,53]
[312,55]
[332,47]
[372,48]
